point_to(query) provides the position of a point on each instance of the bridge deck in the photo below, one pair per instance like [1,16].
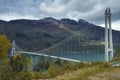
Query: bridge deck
[32,53]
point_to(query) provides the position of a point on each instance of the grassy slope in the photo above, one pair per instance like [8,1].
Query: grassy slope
[92,73]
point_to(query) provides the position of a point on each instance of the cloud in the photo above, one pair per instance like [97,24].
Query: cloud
[23,7]
[14,16]
[115,25]
[54,8]
[90,10]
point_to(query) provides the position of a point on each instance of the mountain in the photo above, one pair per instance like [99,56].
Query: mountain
[35,35]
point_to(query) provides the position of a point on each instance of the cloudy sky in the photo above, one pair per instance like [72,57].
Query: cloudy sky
[90,10]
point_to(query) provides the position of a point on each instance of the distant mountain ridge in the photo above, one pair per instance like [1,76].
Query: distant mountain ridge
[35,35]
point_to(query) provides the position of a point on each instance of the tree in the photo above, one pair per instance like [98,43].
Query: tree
[52,70]
[19,63]
[24,75]
[81,65]
[64,68]
[65,62]
[72,66]
[48,62]
[6,71]
[58,62]
[41,64]
[4,46]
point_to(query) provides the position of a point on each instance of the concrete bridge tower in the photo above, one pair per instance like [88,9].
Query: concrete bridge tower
[13,48]
[108,36]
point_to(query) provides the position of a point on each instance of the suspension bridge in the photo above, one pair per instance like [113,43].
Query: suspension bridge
[85,45]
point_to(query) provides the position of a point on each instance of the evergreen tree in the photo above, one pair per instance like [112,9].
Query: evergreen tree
[58,62]
[64,62]
[40,65]
[48,62]
[19,63]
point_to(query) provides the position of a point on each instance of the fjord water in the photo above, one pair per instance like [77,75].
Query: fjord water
[87,57]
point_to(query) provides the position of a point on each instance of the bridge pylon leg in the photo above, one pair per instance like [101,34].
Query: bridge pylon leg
[13,48]
[108,36]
